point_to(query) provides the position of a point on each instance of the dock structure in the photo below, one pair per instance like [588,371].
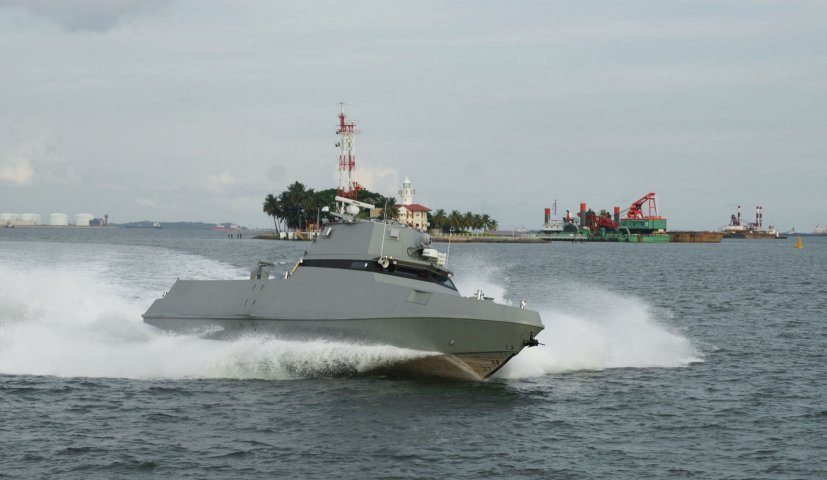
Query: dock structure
[291,235]
[488,239]
[696,237]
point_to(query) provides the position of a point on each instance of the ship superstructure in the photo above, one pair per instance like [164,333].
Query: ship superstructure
[750,230]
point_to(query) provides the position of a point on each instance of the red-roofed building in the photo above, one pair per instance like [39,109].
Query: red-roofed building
[415,215]
[410,213]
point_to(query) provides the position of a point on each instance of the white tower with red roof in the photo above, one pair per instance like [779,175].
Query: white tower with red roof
[411,213]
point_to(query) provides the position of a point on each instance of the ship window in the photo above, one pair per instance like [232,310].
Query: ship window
[411,273]
[395,270]
[442,280]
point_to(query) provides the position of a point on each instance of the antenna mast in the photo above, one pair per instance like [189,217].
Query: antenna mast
[347,158]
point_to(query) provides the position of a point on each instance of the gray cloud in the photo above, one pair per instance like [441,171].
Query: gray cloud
[199,112]
[87,15]
[276,173]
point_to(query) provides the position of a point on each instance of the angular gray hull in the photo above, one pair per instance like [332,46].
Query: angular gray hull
[344,293]
[459,337]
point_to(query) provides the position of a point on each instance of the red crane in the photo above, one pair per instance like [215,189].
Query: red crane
[636,210]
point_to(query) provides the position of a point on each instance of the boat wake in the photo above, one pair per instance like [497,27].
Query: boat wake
[81,317]
[609,331]
[613,332]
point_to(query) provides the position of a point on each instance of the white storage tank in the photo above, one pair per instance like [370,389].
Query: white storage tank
[8,217]
[30,219]
[83,219]
[58,219]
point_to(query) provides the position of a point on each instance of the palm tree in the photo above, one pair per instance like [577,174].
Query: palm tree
[325,198]
[309,204]
[440,219]
[468,220]
[485,221]
[272,208]
[390,210]
[478,222]
[292,201]
[455,220]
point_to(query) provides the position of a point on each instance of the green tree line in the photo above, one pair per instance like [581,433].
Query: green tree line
[457,221]
[299,206]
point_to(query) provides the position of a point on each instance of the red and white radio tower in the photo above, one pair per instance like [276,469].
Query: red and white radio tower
[347,159]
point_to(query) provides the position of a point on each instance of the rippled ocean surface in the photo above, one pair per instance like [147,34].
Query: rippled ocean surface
[660,361]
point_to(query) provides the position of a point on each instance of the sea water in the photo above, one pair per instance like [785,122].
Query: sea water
[674,360]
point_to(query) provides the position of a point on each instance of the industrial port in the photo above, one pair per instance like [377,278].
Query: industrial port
[11,220]
[639,223]
[750,230]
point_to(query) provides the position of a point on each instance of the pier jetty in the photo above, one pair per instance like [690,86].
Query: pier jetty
[487,239]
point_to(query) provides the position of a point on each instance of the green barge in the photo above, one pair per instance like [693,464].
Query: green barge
[636,227]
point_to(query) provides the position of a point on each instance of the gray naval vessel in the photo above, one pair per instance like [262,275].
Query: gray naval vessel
[372,282]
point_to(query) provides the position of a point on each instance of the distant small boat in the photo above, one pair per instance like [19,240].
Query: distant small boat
[799,244]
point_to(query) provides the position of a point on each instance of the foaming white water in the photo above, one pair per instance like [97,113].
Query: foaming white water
[610,331]
[75,311]
[81,317]
[482,276]
[586,327]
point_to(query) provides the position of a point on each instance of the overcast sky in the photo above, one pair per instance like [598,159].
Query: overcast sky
[195,110]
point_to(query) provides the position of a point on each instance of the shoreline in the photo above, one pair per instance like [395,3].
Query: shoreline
[486,239]
[60,226]
[307,236]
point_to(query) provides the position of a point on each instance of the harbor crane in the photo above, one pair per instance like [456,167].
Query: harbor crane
[635,211]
